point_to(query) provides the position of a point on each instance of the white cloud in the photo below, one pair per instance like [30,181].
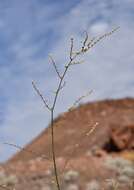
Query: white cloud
[99,27]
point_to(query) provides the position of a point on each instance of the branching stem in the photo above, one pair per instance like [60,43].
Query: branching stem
[86,45]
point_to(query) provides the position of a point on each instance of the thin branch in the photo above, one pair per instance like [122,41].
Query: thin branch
[23,149]
[90,42]
[77,62]
[102,37]
[94,41]
[55,66]
[85,41]
[71,49]
[41,96]
[64,84]
[79,99]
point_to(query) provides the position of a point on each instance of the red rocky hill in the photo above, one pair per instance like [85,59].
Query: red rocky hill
[115,119]
[106,153]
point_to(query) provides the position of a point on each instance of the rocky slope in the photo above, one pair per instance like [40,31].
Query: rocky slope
[94,149]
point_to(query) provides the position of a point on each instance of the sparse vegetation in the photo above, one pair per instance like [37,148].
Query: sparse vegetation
[93,185]
[7,180]
[71,176]
[124,170]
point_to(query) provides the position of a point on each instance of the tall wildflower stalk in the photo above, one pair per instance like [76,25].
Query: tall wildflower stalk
[87,44]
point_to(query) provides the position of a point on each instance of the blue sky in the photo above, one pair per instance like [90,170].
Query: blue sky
[32,29]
